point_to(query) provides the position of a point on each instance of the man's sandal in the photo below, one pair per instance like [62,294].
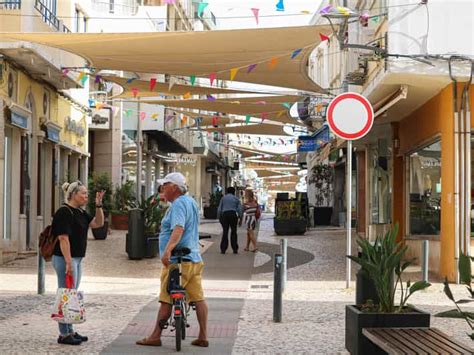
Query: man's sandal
[201,343]
[148,342]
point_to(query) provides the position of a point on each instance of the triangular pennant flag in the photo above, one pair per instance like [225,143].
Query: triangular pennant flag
[210,98]
[306,12]
[154,116]
[152,83]
[169,2]
[273,62]
[325,10]
[187,95]
[261,103]
[231,120]
[251,67]
[281,113]
[128,112]
[84,79]
[184,120]
[212,77]
[323,37]
[168,118]
[192,79]
[201,8]
[172,82]
[142,115]
[343,10]
[65,71]
[129,81]
[247,119]
[91,103]
[214,121]
[255,13]
[264,116]
[376,19]
[280,6]
[296,52]
[287,105]
[135,92]
[98,78]
[233,73]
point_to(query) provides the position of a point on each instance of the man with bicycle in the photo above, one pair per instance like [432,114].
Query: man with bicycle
[179,229]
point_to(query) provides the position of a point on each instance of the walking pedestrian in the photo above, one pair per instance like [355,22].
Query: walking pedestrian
[251,216]
[179,229]
[230,214]
[70,225]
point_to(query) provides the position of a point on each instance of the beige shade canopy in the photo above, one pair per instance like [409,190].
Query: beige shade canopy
[260,129]
[208,120]
[281,180]
[285,187]
[268,173]
[198,53]
[271,106]
[143,87]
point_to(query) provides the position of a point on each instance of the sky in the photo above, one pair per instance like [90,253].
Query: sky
[244,18]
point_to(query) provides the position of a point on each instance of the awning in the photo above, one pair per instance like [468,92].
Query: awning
[143,89]
[260,129]
[271,107]
[274,50]
[166,143]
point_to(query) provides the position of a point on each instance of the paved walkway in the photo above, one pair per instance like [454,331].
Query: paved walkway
[121,299]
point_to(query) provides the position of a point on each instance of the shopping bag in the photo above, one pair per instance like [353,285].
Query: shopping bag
[69,305]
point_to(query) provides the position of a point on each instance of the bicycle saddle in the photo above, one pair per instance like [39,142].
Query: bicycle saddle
[181,252]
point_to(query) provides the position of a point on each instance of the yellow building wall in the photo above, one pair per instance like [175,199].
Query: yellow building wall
[434,119]
[66,109]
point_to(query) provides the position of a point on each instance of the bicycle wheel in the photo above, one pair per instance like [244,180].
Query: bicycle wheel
[178,332]
[183,328]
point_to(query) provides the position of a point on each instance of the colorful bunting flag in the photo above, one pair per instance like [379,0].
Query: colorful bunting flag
[247,119]
[212,77]
[214,121]
[129,81]
[264,116]
[261,103]
[65,71]
[296,52]
[172,82]
[306,12]
[135,92]
[280,6]
[142,115]
[168,118]
[184,120]
[192,79]
[152,83]
[325,10]
[91,103]
[99,105]
[343,10]
[210,98]
[273,62]
[251,67]
[233,73]
[281,113]
[187,95]
[154,117]
[323,37]
[169,2]
[128,112]
[201,8]
[287,105]
[255,13]
[376,19]
[98,79]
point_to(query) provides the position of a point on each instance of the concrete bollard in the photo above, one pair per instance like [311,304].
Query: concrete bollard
[425,259]
[277,290]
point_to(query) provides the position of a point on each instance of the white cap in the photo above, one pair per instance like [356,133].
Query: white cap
[174,178]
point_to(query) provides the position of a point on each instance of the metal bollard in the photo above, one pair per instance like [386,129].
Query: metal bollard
[41,273]
[277,291]
[284,253]
[425,260]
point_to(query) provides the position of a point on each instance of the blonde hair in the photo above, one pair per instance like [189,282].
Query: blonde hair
[71,188]
[249,195]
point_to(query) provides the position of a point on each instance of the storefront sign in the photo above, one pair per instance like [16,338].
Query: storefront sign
[53,134]
[72,126]
[19,120]
[187,160]
[100,119]
[321,137]
[306,144]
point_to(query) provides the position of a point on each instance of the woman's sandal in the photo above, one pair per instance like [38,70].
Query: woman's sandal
[246,249]
[148,342]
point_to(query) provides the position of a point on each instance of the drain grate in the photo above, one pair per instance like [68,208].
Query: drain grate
[260,286]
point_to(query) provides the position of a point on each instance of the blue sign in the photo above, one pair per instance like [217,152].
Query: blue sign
[19,120]
[53,134]
[306,144]
[321,137]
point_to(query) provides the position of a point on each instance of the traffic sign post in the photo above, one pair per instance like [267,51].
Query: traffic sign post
[350,116]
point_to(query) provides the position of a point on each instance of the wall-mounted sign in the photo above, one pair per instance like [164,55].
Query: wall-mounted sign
[186,160]
[306,144]
[52,134]
[19,120]
[100,119]
[72,126]
[321,137]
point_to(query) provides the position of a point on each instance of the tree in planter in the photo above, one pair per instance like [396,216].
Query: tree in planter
[123,201]
[322,176]
[153,213]
[100,182]
[215,199]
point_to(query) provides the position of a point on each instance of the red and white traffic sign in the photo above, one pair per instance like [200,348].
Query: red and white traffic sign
[350,116]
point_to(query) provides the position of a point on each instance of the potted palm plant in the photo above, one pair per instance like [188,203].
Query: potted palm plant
[100,182]
[123,201]
[210,211]
[383,262]
[321,177]
[153,212]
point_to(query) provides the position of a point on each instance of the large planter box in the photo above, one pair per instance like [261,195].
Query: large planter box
[120,221]
[151,247]
[322,216]
[210,212]
[357,343]
[101,233]
[289,226]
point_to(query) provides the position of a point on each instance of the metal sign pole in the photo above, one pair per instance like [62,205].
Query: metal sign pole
[348,210]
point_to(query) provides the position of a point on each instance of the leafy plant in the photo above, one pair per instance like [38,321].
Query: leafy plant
[382,261]
[321,177]
[153,213]
[124,199]
[286,210]
[465,279]
[215,199]
[96,183]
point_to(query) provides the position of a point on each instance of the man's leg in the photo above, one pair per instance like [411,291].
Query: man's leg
[225,232]
[201,313]
[233,233]
[163,315]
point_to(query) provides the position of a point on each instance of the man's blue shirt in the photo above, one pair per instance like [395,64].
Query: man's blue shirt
[230,203]
[182,212]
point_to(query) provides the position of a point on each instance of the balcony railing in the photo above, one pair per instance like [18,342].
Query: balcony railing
[10,5]
[49,17]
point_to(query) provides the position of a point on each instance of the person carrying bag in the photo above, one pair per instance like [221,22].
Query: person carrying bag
[69,305]
[70,226]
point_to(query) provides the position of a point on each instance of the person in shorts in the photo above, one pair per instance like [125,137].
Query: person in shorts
[179,229]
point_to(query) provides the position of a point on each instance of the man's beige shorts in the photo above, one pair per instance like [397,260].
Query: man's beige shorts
[191,280]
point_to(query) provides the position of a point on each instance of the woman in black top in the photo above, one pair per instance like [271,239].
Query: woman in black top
[70,225]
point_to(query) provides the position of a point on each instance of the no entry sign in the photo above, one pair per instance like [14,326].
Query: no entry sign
[350,116]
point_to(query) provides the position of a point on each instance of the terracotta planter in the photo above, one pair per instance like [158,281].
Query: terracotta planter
[120,221]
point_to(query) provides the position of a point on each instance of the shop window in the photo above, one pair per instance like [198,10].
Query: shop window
[380,184]
[425,190]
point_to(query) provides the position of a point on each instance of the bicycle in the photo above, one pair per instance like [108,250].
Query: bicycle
[180,308]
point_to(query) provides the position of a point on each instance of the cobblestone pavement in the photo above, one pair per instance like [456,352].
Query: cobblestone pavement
[315,298]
